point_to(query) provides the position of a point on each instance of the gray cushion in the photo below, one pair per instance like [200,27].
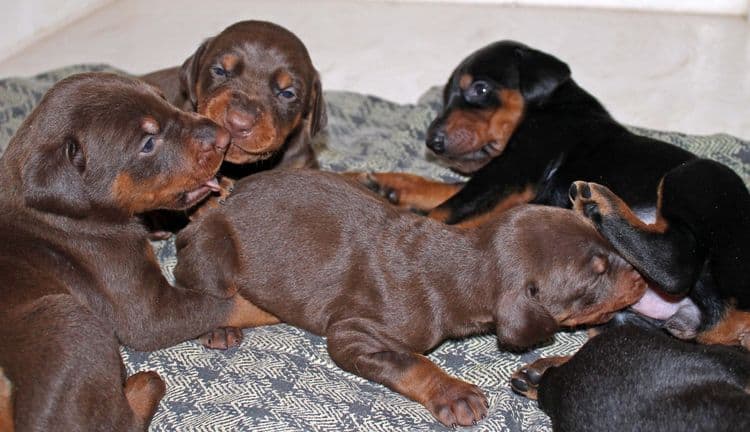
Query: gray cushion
[282,378]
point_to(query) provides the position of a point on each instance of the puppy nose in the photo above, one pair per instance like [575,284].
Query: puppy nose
[239,122]
[436,142]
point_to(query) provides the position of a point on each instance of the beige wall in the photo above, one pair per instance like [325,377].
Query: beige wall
[24,21]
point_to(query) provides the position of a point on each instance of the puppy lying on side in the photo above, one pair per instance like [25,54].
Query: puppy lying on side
[637,378]
[385,285]
[77,274]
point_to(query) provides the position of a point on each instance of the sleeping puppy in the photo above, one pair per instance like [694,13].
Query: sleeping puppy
[385,285]
[635,377]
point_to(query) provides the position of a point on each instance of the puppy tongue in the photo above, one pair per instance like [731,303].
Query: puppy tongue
[213,184]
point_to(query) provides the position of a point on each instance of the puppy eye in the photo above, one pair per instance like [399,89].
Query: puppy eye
[148,145]
[287,93]
[477,91]
[220,71]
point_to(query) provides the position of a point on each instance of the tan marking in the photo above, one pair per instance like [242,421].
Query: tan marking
[246,314]
[540,367]
[283,79]
[6,404]
[414,192]
[229,61]
[610,204]
[150,125]
[629,288]
[143,392]
[439,214]
[470,129]
[465,81]
[732,329]
[518,198]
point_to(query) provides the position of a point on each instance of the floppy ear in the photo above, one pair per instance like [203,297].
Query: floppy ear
[522,321]
[189,72]
[540,74]
[52,180]
[317,118]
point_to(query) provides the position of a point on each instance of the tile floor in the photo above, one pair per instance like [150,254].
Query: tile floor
[677,72]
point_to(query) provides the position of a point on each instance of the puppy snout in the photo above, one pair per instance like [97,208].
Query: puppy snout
[436,141]
[240,122]
[212,137]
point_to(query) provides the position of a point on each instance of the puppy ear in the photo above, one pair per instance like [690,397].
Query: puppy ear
[540,74]
[190,70]
[317,118]
[52,180]
[522,321]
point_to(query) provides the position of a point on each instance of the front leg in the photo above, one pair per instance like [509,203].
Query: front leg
[407,191]
[452,401]
[525,381]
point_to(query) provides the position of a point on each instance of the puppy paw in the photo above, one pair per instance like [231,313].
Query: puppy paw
[525,381]
[222,338]
[375,183]
[593,201]
[458,404]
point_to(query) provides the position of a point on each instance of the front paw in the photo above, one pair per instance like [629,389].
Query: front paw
[222,338]
[458,404]
[593,201]
[375,183]
[525,381]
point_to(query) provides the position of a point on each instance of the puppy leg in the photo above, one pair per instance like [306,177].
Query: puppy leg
[6,403]
[525,381]
[143,391]
[452,401]
[407,190]
[244,314]
[732,329]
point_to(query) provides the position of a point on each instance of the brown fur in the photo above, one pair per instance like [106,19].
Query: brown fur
[77,274]
[260,60]
[385,285]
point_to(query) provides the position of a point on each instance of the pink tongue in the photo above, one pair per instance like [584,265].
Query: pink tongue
[657,306]
[213,184]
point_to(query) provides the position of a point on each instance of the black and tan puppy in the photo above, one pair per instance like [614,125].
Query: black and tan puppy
[385,285]
[256,80]
[520,126]
[77,274]
[636,378]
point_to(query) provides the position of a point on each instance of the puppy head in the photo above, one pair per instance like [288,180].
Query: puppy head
[563,273]
[112,144]
[256,79]
[485,100]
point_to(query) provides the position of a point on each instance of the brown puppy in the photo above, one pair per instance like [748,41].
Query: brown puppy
[6,403]
[77,274]
[256,79]
[385,285]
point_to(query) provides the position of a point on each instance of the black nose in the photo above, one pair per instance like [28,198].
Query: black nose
[436,142]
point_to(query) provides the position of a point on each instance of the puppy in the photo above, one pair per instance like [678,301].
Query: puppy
[518,124]
[635,377]
[385,285]
[256,80]
[77,274]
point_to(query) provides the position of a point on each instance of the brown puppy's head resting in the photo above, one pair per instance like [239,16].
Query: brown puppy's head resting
[561,272]
[105,144]
[257,80]
[485,100]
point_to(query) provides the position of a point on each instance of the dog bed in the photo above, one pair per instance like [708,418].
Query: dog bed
[281,378]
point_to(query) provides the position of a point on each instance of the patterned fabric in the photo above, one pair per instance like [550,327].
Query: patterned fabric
[281,378]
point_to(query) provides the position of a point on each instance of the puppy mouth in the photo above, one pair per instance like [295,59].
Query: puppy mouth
[490,150]
[192,197]
[471,161]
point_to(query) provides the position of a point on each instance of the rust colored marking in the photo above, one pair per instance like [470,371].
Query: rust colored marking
[470,129]
[246,314]
[539,367]
[229,61]
[283,79]
[143,391]
[465,81]
[612,205]
[523,197]
[150,125]
[411,191]
[732,329]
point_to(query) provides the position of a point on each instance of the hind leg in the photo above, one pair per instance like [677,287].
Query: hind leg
[67,372]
